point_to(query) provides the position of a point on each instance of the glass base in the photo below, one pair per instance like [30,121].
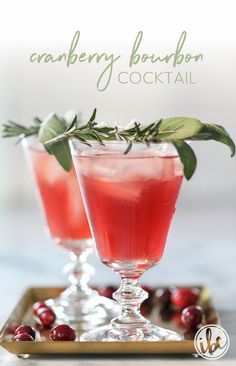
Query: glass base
[83,312]
[80,305]
[108,333]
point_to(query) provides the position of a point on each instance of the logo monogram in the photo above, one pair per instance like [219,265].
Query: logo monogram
[211,342]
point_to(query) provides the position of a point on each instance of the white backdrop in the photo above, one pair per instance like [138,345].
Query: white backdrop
[27,89]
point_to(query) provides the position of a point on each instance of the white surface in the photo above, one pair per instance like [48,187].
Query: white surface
[10,360]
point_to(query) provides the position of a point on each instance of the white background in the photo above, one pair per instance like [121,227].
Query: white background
[29,89]
[207,205]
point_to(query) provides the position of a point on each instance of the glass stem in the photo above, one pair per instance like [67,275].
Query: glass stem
[79,272]
[130,296]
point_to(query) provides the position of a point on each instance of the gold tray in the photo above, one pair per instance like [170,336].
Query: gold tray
[23,314]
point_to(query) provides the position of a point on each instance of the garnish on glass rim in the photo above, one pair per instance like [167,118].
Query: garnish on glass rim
[54,134]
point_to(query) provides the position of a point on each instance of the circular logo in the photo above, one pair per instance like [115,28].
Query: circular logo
[211,342]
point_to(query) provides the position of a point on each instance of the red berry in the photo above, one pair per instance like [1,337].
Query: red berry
[38,305]
[23,337]
[107,291]
[62,332]
[184,297]
[166,314]
[28,329]
[46,316]
[163,296]
[146,308]
[192,316]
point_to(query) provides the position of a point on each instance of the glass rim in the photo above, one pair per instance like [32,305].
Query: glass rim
[32,143]
[162,149]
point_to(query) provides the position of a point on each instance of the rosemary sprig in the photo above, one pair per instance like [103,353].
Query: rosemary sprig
[13,129]
[55,134]
[175,130]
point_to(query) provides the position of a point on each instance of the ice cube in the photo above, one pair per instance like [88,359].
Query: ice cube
[128,191]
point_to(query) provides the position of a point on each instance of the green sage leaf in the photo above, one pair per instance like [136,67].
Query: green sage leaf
[50,128]
[178,128]
[218,133]
[187,156]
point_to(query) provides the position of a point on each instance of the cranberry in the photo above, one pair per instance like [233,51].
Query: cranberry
[146,308]
[23,337]
[149,290]
[192,316]
[62,332]
[46,317]
[39,305]
[166,314]
[163,296]
[28,329]
[107,291]
[184,297]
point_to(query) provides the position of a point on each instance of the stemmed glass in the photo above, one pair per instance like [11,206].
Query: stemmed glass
[66,221]
[130,200]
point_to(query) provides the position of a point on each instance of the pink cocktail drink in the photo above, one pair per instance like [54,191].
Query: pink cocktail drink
[61,198]
[130,201]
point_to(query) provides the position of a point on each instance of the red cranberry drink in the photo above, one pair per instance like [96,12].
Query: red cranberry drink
[61,198]
[130,201]
[67,222]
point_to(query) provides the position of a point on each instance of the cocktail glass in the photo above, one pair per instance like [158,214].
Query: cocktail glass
[66,221]
[130,200]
